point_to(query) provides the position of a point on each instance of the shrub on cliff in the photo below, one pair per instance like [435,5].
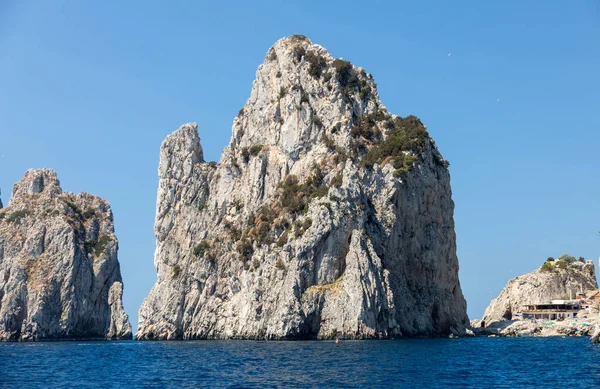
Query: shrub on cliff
[245,249]
[548,266]
[175,271]
[89,246]
[562,264]
[282,92]
[16,216]
[255,149]
[567,258]
[293,197]
[101,244]
[272,55]
[297,38]
[283,239]
[316,121]
[201,248]
[345,76]
[401,145]
[366,128]
[89,213]
[316,64]
[299,52]
[245,154]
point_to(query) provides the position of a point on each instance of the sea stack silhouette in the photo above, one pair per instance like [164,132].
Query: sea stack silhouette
[59,274]
[326,216]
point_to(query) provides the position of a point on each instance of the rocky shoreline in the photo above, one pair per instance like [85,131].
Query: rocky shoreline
[538,328]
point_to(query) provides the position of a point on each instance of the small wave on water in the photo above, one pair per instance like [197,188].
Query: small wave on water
[409,363]
[112,343]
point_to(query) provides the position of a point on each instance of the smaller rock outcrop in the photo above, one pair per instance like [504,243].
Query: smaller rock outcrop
[571,327]
[554,280]
[59,273]
[579,326]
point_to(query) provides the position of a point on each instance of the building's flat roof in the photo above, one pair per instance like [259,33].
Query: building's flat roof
[561,302]
[531,312]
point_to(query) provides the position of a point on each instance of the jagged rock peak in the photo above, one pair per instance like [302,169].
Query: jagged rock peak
[555,280]
[59,273]
[37,181]
[299,91]
[180,151]
[325,216]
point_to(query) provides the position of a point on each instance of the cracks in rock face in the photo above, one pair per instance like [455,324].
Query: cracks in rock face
[16,320]
[374,228]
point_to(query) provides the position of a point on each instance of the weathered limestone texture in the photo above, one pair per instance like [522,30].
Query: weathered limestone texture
[325,217]
[59,273]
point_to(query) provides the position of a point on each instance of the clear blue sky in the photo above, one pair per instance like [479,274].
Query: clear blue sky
[92,88]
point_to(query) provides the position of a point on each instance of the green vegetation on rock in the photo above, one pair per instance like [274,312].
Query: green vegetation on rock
[299,52]
[316,64]
[101,244]
[175,271]
[245,249]
[16,216]
[548,266]
[89,246]
[282,92]
[89,213]
[201,248]
[255,149]
[405,140]
[283,239]
[272,55]
[348,79]
[564,262]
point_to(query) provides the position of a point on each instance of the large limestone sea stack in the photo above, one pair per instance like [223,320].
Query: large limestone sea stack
[59,273]
[325,217]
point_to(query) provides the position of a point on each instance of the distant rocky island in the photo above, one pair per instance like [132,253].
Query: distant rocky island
[559,298]
[59,273]
[326,216]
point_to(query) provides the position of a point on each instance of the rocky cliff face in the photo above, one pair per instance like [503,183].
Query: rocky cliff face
[326,216]
[59,273]
[552,281]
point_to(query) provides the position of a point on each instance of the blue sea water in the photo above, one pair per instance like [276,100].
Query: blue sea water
[406,363]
